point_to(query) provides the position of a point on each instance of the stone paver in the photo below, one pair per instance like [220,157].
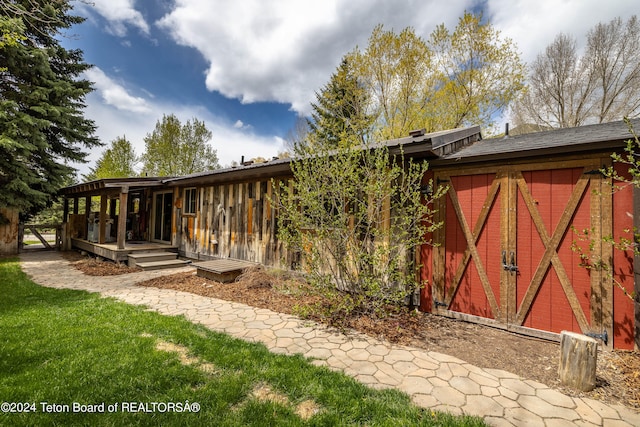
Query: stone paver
[433,380]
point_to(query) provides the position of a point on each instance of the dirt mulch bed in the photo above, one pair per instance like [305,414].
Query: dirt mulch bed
[618,372]
[96,266]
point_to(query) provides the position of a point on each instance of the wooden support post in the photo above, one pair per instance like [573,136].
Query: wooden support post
[175,219]
[102,230]
[11,233]
[66,236]
[578,359]
[87,210]
[122,217]
[601,225]
[65,210]
[438,283]
[75,205]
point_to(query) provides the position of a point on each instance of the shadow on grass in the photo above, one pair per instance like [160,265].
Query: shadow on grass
[64,347]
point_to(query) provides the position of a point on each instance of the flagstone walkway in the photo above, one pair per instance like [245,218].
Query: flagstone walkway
[433,380]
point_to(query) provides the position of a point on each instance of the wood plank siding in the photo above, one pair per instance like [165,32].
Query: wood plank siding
[233,220]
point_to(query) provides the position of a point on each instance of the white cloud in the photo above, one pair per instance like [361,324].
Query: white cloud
[113,121]
[239,124]
[114,94]
[120,14]
[534,24]
[286,50]
[283,51]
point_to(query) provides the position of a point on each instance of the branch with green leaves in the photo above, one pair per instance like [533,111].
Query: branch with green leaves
[355,217]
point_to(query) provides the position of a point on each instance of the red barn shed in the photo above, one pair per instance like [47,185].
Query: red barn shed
[519,212]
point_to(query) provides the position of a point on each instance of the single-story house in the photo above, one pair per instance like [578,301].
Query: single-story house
[515,212]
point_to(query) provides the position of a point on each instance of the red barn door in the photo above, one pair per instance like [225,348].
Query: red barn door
[471,242]
[553,292]
[507,250]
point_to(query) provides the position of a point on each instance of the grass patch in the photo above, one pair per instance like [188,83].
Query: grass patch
[61,347]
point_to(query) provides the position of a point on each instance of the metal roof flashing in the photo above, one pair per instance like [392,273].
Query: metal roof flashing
[435,144]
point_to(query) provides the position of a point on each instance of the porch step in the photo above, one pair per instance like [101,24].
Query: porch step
[157,265]
[135,259]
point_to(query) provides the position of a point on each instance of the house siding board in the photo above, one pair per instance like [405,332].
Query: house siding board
[623,307]
[425,260]
[232,222]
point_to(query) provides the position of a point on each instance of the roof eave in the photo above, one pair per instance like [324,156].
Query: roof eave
[506,157]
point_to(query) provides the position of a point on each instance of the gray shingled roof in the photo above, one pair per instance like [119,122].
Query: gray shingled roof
[600,137]
[422,144]
[271,164]
[584,138]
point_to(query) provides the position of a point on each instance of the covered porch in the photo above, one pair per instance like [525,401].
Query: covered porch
[115,217]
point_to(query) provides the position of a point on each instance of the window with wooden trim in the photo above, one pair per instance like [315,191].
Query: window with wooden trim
[190,197]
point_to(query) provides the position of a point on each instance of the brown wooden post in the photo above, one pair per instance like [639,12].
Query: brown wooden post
[103,219]
[122,217]
[112,208]
[602,286]
[636,263]
[176,220]
[87,211]
[438,285]
[61,230]
[87,206]
[65,210]
[75,206]
[10,233]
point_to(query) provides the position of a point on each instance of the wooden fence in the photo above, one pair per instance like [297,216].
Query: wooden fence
[37,231]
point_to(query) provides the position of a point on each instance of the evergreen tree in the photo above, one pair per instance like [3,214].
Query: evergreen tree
[339,112]
[42,127]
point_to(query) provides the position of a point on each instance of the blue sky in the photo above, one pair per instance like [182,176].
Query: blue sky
[249,68]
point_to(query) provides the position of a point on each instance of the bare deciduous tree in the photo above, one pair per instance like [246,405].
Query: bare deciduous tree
[355,215]
[560,88]
[613,50]
[566,90]
[296,136]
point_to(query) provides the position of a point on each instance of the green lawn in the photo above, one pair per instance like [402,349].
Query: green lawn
[34,242]
[60,349]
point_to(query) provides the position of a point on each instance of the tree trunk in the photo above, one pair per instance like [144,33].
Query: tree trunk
[578,358]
